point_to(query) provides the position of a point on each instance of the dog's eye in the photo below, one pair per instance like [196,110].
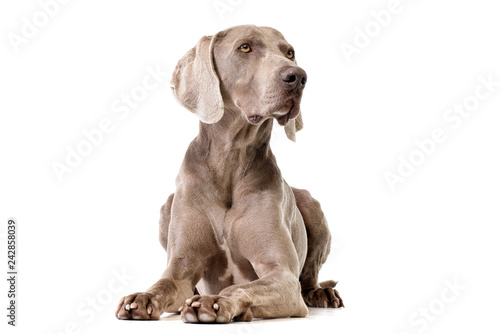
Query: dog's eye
[290,54]
[245,48]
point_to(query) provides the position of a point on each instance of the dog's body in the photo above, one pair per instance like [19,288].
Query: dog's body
[251,245]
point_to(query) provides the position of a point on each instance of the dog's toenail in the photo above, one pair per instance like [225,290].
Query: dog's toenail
[133,305]
[180,309]
[188,301]
[150,309]
[127,307]
[196,304]
[216,306]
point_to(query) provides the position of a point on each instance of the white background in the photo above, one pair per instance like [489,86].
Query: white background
[393,252]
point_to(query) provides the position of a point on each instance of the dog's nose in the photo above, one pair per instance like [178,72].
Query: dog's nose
[293,77]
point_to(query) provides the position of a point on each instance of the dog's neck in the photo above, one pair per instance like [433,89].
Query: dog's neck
[233,134]
[232,147]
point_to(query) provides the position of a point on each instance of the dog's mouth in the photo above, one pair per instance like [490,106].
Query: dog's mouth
[288,110]
[292,113]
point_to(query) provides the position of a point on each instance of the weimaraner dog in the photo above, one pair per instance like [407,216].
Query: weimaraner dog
[240,242]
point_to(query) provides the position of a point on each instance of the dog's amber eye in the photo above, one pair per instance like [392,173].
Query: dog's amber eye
[290,54]
[245,48]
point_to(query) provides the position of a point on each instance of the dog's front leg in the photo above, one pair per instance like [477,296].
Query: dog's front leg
[272,296]
[187,229]
[259,235]
[164,296]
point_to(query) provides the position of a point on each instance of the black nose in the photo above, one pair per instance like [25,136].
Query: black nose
[293,77]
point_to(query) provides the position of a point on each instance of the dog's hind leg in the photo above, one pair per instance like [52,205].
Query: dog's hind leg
[315,294]
[165,216]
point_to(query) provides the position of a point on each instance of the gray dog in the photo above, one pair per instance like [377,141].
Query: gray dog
[240,242]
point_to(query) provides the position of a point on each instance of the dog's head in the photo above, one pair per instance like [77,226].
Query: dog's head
[248,69]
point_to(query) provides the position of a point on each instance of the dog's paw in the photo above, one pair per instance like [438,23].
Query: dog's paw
[139,306]
[211,309]
[325,296]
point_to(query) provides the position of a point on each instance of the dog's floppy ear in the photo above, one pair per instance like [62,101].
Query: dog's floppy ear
[293,126]
[195,83]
